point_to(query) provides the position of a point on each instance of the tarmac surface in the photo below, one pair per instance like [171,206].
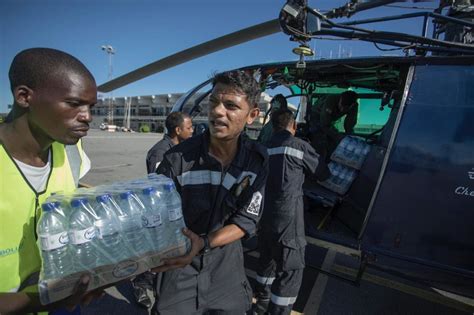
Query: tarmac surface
[121,156]
[117,156]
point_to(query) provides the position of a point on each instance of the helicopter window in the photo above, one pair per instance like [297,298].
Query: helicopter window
[371,117]
[195,103]
[436,90]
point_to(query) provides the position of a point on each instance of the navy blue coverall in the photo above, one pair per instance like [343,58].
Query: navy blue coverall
[212,198]
[281,238]
[156,153]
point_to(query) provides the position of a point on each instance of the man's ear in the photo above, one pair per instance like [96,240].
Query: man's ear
[177,131]
[22,95]
[254,112]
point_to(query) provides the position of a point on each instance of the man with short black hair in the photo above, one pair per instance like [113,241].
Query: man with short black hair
[40,153]
[278,102]
[330,108]
[179,127]
[220,176]
[281,238]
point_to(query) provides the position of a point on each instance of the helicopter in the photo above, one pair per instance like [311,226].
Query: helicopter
[409,211]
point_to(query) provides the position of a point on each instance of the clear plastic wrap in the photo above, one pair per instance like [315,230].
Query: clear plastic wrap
[341,178]
[351,152]
[112,232]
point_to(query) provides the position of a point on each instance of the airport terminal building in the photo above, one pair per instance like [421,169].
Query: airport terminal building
[148,112]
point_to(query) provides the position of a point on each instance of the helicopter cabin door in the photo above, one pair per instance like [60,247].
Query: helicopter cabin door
[421,220]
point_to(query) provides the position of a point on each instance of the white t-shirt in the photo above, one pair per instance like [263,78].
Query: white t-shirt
[38,176]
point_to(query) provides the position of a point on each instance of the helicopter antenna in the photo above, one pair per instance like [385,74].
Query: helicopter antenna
[302,51]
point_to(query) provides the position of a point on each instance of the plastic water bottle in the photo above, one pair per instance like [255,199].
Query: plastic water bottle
[152,218]
[82,235]
[175,214]
[350,144]
[344,177]
[53,238]
[337,174]
[351,176]
[131,222]
[345,142]
[108,231]
[358,149]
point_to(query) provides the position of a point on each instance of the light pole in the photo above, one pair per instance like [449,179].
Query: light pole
[110,52]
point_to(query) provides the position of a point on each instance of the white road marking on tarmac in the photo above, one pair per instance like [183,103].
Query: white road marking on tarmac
[252,274]
[440,297]
[456,297]
[434,297]
[316,295]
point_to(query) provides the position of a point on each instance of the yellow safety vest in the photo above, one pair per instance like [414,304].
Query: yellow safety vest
[20,209]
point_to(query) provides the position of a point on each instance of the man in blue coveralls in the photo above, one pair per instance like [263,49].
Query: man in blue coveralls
[221,177]
[281,239]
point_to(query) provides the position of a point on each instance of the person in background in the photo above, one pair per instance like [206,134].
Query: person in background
[281,238]
[40,153]
[324,136]
[277,102]
[221,177]
[179,127]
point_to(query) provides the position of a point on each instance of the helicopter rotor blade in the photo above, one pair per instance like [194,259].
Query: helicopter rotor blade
[226,41]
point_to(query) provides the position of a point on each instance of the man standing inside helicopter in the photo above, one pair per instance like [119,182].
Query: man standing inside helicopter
[324,136]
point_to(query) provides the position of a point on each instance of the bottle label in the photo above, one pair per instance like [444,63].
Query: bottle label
[175,213]
[50,242]
[82,236]
[101,228]
[150,221]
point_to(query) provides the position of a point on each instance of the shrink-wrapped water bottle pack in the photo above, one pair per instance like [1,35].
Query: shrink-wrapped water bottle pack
[111,232]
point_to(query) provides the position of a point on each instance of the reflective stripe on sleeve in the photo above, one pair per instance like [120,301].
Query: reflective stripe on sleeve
[230,180]
[199,178]
[213,178]
[282,301]
[286,151]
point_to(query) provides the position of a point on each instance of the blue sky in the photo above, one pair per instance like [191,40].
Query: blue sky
[143,31]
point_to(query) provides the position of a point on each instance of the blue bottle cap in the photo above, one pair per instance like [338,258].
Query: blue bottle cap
[149,190]
[48,206]
[78,202]
[125,194]
[103,198]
